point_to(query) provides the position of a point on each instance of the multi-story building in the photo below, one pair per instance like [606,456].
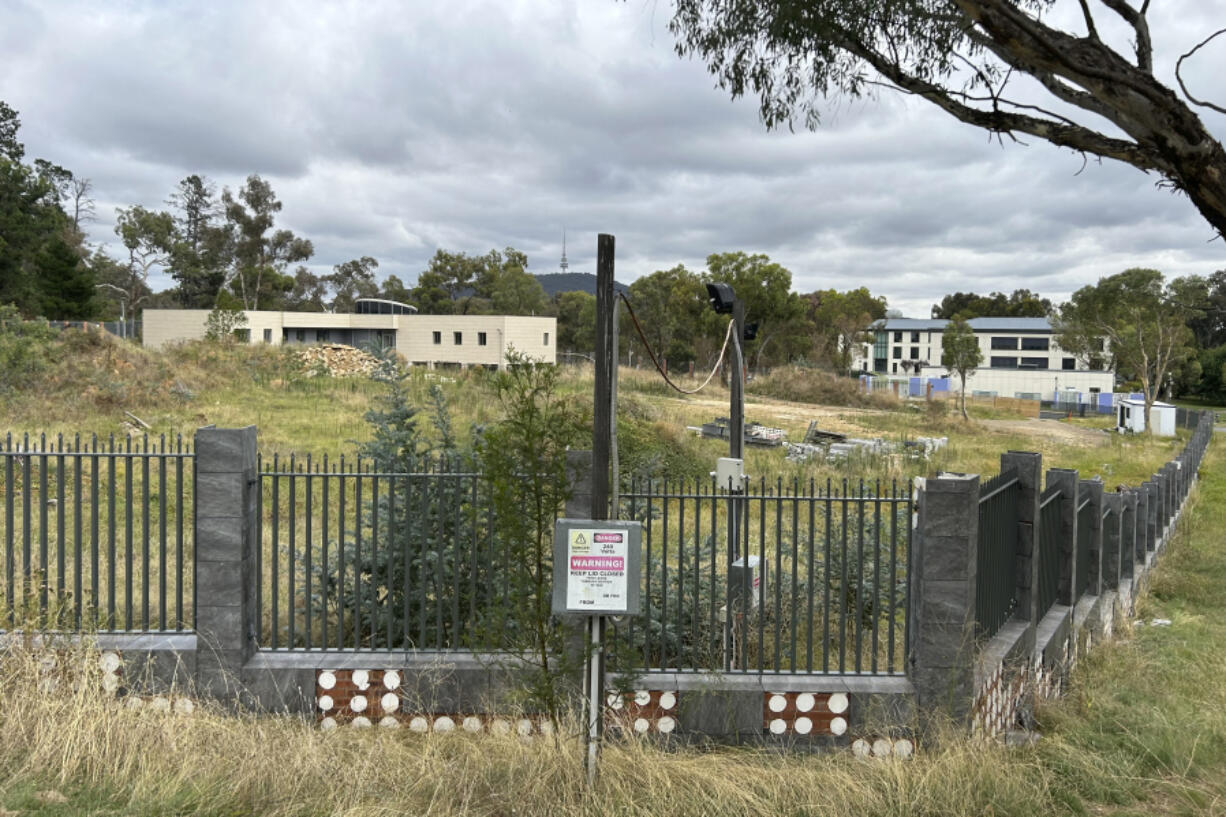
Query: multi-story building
[423,340]
[1021,357]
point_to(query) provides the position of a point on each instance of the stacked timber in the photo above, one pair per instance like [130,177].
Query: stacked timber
[336,360]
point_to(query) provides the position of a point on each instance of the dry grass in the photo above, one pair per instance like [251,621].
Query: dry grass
[104,756]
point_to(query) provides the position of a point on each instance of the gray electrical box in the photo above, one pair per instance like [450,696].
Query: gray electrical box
[596,566]
[747,580]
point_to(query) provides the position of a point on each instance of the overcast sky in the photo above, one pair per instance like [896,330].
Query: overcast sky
[393,129]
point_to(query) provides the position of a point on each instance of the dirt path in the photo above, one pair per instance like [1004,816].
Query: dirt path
[1053,430]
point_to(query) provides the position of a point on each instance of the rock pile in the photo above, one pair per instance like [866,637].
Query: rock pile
[336,360]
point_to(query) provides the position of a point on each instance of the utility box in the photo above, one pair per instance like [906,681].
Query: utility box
[729,473]
[747,578]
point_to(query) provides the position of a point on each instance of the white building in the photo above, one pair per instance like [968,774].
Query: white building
[1020,358]
[1131,417]
[423,340]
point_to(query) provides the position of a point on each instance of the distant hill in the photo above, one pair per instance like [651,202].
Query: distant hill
[555,282]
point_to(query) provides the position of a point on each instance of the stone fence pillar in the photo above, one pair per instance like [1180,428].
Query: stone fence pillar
[226,492]
[944,595]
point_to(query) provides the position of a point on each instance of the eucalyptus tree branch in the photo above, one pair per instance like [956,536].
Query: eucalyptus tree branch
[1179,78]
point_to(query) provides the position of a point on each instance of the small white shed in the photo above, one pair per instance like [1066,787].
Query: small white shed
[1130,416]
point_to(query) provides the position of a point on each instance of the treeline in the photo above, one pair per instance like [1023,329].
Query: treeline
[670,308]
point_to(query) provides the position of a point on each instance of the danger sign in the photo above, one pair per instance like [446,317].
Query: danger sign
[596,567]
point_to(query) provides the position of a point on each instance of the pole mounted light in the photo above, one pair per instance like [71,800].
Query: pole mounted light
[123,307]
[721,297]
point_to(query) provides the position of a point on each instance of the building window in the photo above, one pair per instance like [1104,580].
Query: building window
[897,355]
[300,335]
[1033,363]
[1004,363]
[242,335]
[545,339]
[1069,363]
[1035,344]
[895,368]
[458,338]
[480,338]
[898,337]
[438,338]
[321,335]
[268,336]
[386,338]
[915,353]
[915,337]
[1004,343]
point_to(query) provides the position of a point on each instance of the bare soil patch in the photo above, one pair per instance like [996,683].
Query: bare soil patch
[1053,430]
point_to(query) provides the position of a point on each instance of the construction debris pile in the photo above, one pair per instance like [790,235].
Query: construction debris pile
[755,434]
[827,445]
[336,360]
[833,446]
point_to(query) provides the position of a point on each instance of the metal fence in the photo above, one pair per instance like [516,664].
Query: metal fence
[352,557]
[790,577]
[1081,581]
[1050,548]
[996,591]
[97,534]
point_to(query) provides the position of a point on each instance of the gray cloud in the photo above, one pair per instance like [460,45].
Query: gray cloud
[395,129]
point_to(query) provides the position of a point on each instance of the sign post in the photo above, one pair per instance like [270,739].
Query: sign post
[596,569]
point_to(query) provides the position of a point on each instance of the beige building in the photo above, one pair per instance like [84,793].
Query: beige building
[423,340]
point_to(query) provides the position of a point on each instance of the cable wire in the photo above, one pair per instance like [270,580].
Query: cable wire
[659,368]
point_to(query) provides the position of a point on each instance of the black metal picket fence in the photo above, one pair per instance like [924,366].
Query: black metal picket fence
[794,577]
[355,557]
[97,534]
[996,595]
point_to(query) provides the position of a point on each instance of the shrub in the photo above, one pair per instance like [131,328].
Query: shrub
[804,385]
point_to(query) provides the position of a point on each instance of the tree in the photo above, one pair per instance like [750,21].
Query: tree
[1133,318]
[576,313]
[766,290]
[462,284]
[842,321]
[352,280]
[261,253]
[445,287]
[960,353]
[1212,384]
[224,325]
[395,290]
[1022,303]
[204,244]
[67,283]
[964,56]
[308,292]
[517,292]
[668,304]
[33,225]
[148,237]
[11,150]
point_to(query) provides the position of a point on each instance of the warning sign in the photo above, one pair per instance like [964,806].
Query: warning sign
[596,568]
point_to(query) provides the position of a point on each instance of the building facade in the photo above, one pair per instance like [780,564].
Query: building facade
[1021,357]
[423,340]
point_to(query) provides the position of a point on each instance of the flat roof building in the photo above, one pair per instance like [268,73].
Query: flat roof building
[423,340]
[1021,357]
